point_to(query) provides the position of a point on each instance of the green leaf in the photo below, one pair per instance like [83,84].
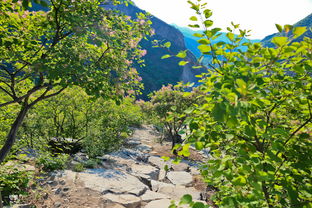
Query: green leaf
[241,83]
[167,44]
[207,13]
[239,181]
[199,145]
[189,110]
[204,48]
[198,35]
[298,31]
[204,41]
[218,112]
[182,63]
[279,41]
[194,26]
[198,205]
[165,56]
[230,36]
[165,158]
[193,18]
[181,54]
[208,23]
[288,28]
[279,28]
[186,199]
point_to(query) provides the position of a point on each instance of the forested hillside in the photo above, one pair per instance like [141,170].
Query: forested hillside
[74,131]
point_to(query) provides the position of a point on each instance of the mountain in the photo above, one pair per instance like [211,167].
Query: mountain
[306,22]
[192,44]
[157,71]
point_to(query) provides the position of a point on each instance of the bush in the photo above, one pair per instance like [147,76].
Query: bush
[47,162]
[13,181]
[256,117]
[169,104]
[79,167]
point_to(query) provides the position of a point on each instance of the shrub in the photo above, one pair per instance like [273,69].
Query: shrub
[256,117]
[13,181]
[47,162]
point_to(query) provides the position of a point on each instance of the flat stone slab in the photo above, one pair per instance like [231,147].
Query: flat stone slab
[108,180]
[180,167]
[162,203]
[156,185]
[176,192]
[127,200]
[158,162]
[152,196]
[180,178]
[147,170]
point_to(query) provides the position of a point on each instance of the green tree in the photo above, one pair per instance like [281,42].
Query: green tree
[256,117]
[75,43]
[169,105]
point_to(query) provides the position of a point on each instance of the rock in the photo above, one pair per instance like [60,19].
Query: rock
[150,172]
[162,174]
[66,189]
[158,162]
[57,204]
[176,192]
[133,142]
[81,157]
[180,178]
[194,171]
[152,196]
[180,167]
[57,191]
[67,176]
[131,154]
[158,203]
[114,205]
[143,148]
[127,200]
[156,185]
[22,206]
[104,180]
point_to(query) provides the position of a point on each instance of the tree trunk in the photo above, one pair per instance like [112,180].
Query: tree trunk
[13,131]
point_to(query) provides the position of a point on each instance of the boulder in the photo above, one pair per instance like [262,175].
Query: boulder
[180,178]
[127,200]
[109,180]
[152,196]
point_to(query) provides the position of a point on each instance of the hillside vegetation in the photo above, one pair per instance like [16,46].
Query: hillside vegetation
[70,79]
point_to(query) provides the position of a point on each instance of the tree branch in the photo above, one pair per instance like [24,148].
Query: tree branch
[44,96]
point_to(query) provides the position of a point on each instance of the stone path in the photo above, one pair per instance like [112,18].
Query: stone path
[132,177]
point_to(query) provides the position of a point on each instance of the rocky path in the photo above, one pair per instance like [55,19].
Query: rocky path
[132,177]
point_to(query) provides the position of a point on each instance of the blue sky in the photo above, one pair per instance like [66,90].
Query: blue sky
[258,15]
